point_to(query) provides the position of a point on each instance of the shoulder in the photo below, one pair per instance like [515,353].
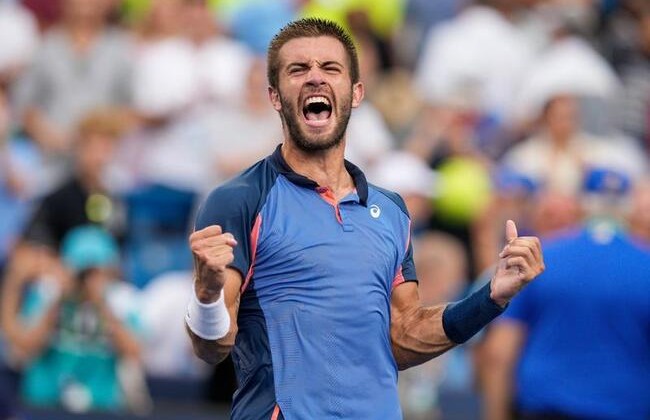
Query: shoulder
[247,186]
[390,197]
[241,196]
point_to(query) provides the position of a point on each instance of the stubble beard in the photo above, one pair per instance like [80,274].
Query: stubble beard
[315,144]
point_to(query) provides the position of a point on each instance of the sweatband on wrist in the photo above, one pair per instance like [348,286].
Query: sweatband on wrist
[461,320]
[210,321]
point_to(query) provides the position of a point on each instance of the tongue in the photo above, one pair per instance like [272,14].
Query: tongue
[317,116]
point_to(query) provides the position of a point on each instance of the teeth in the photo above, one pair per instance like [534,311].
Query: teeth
[315,99]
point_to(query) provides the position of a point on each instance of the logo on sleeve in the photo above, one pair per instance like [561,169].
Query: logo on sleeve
[375,211]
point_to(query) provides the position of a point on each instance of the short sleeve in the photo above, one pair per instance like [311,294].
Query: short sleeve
[408,266]
[406,270]
[235,206]
[229,207]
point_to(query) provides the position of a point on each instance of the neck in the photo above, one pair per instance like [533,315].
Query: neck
[326,168]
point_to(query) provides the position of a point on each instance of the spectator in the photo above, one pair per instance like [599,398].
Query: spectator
[75,326]
[568,66]
[169,145]
[446,136]
[85,196]
[18,40]
[242,131]
[82,64]
[222,62]
[590,310]
[13,208]
[182,50]
[480,47]
[634,99]
[420,17]
[559,154]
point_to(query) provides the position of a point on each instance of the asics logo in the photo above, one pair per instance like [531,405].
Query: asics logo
[375,211]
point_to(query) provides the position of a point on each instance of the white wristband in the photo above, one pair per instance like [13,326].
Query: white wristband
[209,321]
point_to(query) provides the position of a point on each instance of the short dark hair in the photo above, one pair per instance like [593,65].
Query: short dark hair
[309,28]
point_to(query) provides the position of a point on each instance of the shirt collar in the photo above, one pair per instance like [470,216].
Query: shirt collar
[358,177]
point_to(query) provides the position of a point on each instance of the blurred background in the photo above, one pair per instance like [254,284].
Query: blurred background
[118,116]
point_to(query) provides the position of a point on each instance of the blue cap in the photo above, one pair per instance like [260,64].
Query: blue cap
[508,180]
[89,247]
[606,181]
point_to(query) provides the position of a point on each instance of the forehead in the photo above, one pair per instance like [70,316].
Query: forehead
[322,49]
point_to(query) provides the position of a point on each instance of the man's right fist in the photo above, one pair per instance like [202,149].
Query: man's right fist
[213,251]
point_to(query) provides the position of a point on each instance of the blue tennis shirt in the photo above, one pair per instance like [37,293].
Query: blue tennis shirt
[314,317]
[587,317]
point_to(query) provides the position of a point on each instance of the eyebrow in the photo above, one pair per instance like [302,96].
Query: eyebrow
[305,64]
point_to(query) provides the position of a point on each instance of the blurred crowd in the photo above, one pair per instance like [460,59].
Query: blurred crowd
[118,116]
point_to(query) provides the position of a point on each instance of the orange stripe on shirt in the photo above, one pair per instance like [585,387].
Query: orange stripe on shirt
[327,195]
[255,236]
[276,413]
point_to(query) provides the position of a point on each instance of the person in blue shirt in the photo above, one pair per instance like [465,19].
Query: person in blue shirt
[304,271]
[576,343]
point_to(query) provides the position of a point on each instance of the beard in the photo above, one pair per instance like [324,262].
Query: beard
[315,143]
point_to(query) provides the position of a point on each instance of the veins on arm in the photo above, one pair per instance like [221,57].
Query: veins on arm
[416,331]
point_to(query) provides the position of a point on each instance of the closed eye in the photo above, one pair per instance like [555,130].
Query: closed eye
[332,69]
[297,68]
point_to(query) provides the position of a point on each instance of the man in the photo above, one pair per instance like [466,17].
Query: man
[304,270]
[576,344]
[83,197]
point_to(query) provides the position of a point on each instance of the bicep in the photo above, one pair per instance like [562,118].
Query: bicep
[404,296]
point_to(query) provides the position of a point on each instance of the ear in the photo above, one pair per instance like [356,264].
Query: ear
[274,97]
[358,92]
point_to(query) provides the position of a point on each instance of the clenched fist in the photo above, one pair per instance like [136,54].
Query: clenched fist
[213,251]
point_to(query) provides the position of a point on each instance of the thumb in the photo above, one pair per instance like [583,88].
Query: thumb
[511,231]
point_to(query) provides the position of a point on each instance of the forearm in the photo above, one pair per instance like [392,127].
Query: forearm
[212,351]
[418,336]
[211,320]
[27,341]
[420,333]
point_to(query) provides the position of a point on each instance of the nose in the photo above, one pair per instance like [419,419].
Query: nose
[315,77]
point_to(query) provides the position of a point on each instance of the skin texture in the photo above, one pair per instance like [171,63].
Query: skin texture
[318,65]
[302,76]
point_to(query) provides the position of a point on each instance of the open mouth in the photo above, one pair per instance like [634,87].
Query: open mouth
[317,110]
